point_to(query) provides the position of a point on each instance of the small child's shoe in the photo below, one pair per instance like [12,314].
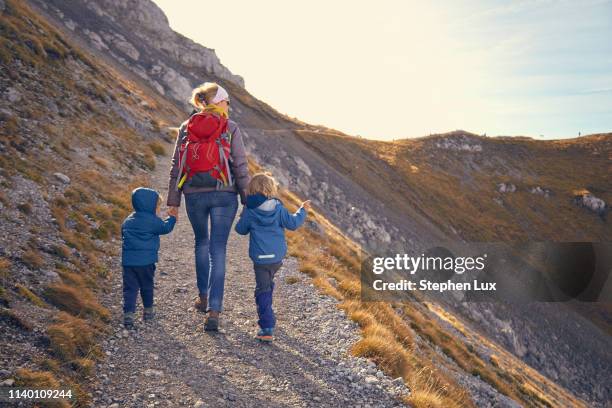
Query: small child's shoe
[265,335]
[128,320]
[148,314]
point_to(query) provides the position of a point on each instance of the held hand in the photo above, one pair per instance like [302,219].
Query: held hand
[306,204]
[173,211]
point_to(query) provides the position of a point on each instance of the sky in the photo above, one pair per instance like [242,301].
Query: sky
[401,68]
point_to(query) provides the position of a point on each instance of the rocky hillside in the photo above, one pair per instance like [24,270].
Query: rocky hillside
[137,34]
[75,137]
[486,189]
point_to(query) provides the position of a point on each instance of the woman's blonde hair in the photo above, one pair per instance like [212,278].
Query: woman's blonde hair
[203,94]
[263,183]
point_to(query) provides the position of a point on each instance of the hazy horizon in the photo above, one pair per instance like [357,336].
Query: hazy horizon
[526,68]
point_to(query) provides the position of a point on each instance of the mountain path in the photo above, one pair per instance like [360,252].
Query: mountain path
[172,362]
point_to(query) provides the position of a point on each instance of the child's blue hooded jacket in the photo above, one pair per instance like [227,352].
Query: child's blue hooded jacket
[141,229]
[265,219]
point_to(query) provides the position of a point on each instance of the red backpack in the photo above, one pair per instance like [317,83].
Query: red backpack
[205,151]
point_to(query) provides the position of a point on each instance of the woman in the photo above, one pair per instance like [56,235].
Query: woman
[211,194]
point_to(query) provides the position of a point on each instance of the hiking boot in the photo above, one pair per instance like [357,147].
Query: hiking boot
[201,303]
[265,335]
[212,322]
[148,314]
[128,320]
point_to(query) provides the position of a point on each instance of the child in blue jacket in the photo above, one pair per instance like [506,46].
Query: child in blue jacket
[140,234]
[265,219]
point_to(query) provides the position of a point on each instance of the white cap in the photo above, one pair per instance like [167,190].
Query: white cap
[221,95]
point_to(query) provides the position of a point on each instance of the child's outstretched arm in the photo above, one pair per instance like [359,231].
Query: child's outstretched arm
[165,226]
[294,221]
[243,225]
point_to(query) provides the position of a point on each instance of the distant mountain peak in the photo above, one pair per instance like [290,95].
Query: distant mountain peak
[137,34]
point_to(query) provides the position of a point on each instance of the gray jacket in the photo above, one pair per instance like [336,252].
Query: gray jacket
[238,167]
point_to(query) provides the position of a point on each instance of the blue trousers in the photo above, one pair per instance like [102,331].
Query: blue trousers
[264,288]
[135,279]
[218,207]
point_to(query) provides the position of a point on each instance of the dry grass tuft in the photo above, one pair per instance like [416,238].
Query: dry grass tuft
[362,318]
[5,265]
[101,162]
[83,366]
[76,301]
[350,288]
[36,379]
[429,391]
[157,148]
[61,251]
[292,280]
[4,299]
[380,345]
[73,279]
[427,399]
[40,379]
[28,294]
[309,268]
[15,320]
[327,288]
[536,397]
[72,338]
[149,161]
[32,259]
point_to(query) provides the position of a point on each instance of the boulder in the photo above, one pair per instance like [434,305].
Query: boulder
[540,191]
[179,86]
[590,202]
[13,95]
[8,382]
[506,188]
[71,25]
[95,40]
[62,177]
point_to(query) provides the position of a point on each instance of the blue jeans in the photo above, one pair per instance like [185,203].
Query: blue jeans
[220,207]
[137,278]
[264,288]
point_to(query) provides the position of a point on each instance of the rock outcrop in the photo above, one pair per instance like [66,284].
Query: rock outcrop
[168,61]
[540,191]
[506,188]
[590,202]
[459,143]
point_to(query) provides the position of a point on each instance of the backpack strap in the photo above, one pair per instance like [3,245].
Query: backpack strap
[181,135]
[228,136]
[225,163]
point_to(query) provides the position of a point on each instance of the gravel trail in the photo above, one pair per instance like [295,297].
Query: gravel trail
[174,363]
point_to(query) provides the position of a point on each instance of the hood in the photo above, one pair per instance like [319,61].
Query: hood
[266,212]
[145,200]
[204,126]
[255,200]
